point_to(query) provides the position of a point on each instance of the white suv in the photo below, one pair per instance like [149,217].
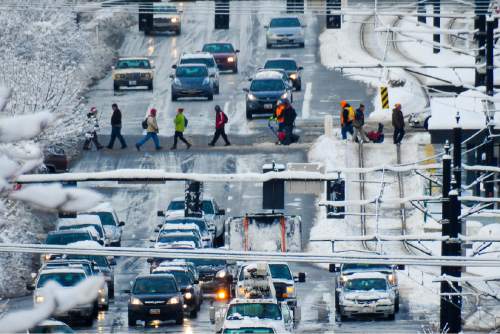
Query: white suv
[207,59]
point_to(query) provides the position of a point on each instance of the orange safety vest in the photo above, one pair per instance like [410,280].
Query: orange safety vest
[280,116]
[350,115]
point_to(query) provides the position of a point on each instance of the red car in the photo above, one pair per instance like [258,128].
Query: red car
[225,55]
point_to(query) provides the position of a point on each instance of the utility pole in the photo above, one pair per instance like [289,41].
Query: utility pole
[489,186]
[480,37]
[421,11]
[450,305]
[333,21]
[457,152]
[437,25]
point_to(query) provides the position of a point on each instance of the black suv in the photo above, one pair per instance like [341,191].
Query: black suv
[155,297]
[289,65]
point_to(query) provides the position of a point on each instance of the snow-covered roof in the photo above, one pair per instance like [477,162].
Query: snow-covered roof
[85,244]
[61,270]
[170,268]
[252,301]
[280,58]
[182,198]
[188,227]
[179,215]
[176,244]
[471,107]
[192,65]
[197,55]
[155,275]
[268,74]
[80,219]
[367,275]
[133,58]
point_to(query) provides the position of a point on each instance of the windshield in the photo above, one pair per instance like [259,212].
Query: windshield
[366,284]
[245,330]
[287,65]
[254,310]
[362,266]
[200,223]
[267,85]
[207,262]
[182,278]
[280,271]
[101,261]
[207,61]
[207,206]
[285,22]
[218,48]
[41,329]
[66,238]
[85,266]
[133,63]
[107,218]
[78,226]
[64,279]
[191,72]
[168,239]
[153,284]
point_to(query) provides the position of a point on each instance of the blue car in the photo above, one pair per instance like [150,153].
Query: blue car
[192,80]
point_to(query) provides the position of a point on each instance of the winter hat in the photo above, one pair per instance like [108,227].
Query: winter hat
[93,110]
[114,105]
[217,108]
[153,112]
[180,109]
[397,105]
[343,103]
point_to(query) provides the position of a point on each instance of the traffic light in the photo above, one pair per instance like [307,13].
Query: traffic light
[295,6]
[221,14]
[333,21]
[335,191]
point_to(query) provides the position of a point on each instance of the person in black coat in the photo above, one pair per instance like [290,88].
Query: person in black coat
[289,115]
[116,128]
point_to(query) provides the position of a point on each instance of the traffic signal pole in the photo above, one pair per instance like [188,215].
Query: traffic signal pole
[437,24]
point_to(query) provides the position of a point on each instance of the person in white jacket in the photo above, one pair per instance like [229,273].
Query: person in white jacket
[91,134]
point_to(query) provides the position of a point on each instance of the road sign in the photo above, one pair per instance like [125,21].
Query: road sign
[384,97]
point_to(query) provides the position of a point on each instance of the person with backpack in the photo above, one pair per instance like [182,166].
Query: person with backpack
[116,128]
[180,122]
[220,124]
[358,123]
[346,119]
[151,127]
[92,126]
[289,116]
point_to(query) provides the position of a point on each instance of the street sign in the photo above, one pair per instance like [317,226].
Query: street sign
[384,97]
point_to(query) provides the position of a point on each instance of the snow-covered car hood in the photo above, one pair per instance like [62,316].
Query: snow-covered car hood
[277,325]
[112,232]
[366,295]
[176,244]
[281,280]
[285,30]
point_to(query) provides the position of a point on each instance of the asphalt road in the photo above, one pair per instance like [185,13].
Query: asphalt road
[137,204]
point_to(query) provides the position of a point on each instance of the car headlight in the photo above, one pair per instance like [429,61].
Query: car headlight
[188,295]
[251,97]
[174,20]
[230,59]
[173,300]
[177,82]
[221,295]
[385,301]
[101,291]
[343,278]
[135,301]
[39,299]
[293,76]
[391,278]
[146,75]
[290,290]
[46,257]
[221,274]
[242,290]
[284,96]
[206,81]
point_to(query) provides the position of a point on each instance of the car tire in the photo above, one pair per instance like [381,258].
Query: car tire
[89,321]
[426,123]
[299,87]
[210,97]
[132,322]
[343,317]
[235,70]
[178,32]
[150,86]
[193,314]
[174,97]
[391,316]
[179,320]
[104,307]
[116,86]
[249,114]
[111,291]
[302,45]
[396,305]
[216,89]
[269,45]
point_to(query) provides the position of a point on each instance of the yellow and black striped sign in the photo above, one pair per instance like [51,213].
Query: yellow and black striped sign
[384,96]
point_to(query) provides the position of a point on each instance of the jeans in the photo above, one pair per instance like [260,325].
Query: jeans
[116,132]
[180,135]
[219,132]
[398,135]
[345,129]
[91,138]
[148,136]
[360,135]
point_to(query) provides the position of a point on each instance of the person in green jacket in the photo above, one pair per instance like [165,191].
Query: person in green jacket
[180,123]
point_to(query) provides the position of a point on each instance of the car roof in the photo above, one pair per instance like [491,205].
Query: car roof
[253,301]
[133,58]
[192,65]
[268,74]
[77,230]
[197,55]
[173,226]
[281,58]
[62,270]
[368,275]
[155,276]
[182,198]
[180,216]
[171,268]
[218,43]
[285,17]
[80,219]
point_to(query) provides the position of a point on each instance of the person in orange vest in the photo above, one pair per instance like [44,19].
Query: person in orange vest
[279,115]
[346,119]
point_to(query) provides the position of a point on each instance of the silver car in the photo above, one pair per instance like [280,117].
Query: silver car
[285,31]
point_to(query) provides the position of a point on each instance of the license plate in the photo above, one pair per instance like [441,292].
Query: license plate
[132,82]
[268,106]
[368,309]
[154,311]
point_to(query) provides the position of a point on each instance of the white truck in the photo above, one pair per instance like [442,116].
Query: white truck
[283,232]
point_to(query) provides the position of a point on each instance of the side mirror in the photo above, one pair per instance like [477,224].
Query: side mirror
[101,242]
[112,262]
[246,90]
[297,314]
[332,268]
[171,76]
[174,66]
[33,275]
[149,260]
[211,314]
[152,240]
[249,79]
[302,277]
[126,291]
[400,267]
[221,212]
[157,229]
[300,68]
[160,213]
[30,286]
[266,26]
[237,51]
[121,224]
[212,75]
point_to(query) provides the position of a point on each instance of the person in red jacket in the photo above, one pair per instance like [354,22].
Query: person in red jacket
[220,123]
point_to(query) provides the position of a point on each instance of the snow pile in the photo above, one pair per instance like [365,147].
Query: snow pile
[344,46]
[24,127]
[58,299]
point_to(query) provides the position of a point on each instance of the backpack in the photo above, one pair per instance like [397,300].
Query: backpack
[185,122]
[224,117]
[145,124]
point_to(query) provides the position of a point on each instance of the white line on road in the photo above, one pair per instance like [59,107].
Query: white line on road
[306,105]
